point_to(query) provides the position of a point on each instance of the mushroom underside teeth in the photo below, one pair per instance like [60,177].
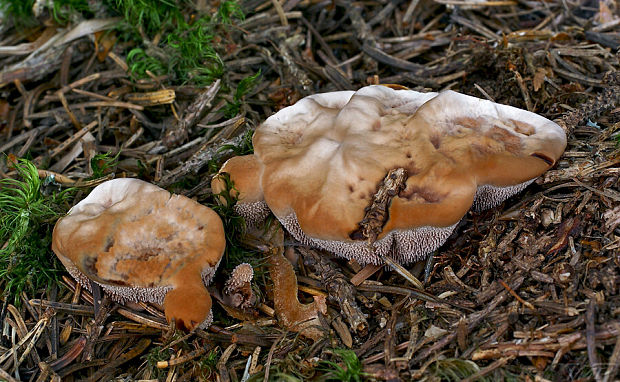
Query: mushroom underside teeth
[208,272]
[488,196]
[404,246]
[254,213]
[207,321]
[122,294]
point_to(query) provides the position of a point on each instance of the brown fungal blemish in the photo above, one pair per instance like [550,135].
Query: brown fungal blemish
[436,141]
[511,142]
[522,127]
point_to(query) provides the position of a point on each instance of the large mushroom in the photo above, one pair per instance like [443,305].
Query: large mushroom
[319,164]
[141,243]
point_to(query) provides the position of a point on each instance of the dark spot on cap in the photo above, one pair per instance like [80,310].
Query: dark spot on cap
[89,264]
[436,141]
[109,243]
[544,158]
[357,235]
[408,155]
[351,189]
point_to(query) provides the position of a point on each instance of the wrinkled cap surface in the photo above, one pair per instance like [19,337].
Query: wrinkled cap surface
[323,158]
[141,243]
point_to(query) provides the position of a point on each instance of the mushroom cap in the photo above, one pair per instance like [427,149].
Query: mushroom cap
[245,173]
[240,275]
[323,158]
[140,243]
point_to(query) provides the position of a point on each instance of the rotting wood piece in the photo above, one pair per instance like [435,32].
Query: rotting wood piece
[339,289]
[191,116]
[201,157]
[376,215]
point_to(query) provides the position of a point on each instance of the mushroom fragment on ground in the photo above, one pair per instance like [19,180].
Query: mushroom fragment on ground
[238,287]
[141,243]
[318,164]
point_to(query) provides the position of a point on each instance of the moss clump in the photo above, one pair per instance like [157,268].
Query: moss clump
[26,222]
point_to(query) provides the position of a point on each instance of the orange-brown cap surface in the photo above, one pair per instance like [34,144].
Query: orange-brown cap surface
[323,158]
[140,243]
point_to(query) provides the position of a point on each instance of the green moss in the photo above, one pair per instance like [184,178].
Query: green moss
[20,11]
[187,53]
[62,10]
[102,164]
[244,87]
[349,368]
[26,220]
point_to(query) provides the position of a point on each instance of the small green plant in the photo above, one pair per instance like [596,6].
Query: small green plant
[63,9]
[26,220]
[228,11]
[139,63]
[350,371]
[148,16]
[20,11]
[234,224]
[244,87]
[102,164]
[156,354]
[207,364]
[244,148]
[192,56]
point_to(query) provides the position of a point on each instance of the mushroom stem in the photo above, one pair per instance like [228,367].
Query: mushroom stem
[292,314]
[189,306]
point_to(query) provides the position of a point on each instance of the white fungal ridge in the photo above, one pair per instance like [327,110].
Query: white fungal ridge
[208,321]
[208,272]
[488,196]
[254,213]
[404,246]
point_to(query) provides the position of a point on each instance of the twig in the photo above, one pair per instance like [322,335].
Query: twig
[179,360]
[595,364]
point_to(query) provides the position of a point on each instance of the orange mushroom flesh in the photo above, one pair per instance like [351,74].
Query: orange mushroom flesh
[321,160]
[140,243]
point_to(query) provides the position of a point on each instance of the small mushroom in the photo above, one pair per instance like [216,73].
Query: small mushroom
[238,287]
[141,243]
[318,164]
